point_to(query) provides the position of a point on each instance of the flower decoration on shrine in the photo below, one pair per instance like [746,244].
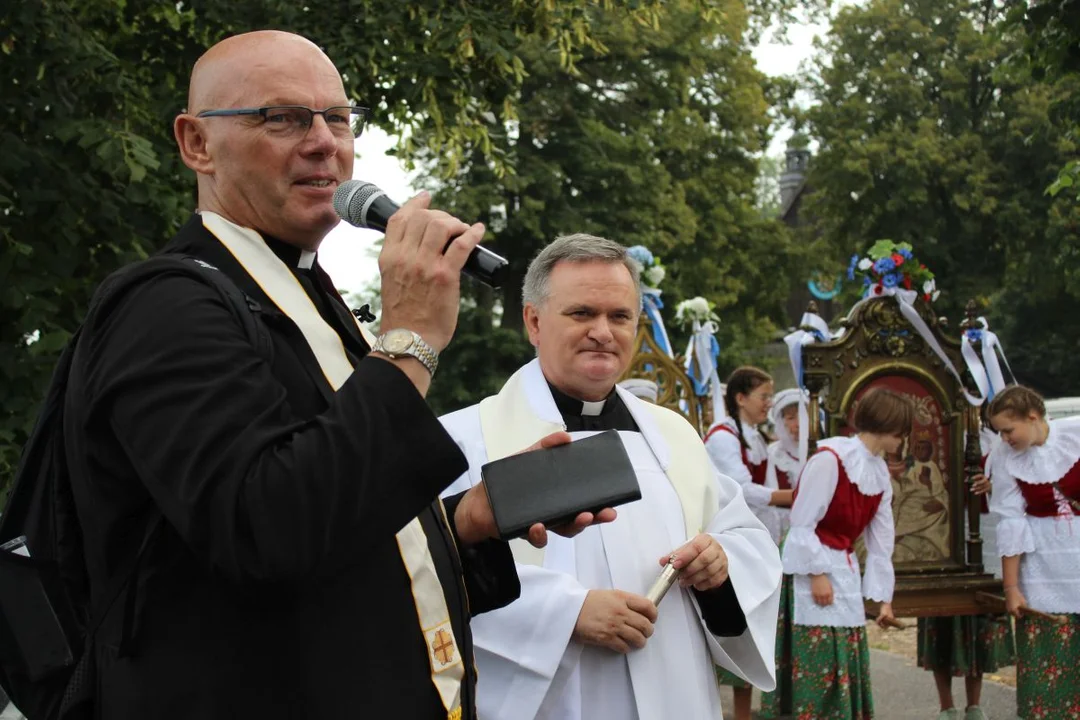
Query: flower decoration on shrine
[695,310]
[652,270]
[888,265]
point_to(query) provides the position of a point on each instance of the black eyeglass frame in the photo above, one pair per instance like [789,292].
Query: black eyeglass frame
[354,110]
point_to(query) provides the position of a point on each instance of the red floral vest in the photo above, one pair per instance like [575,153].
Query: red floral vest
[849,513]
[757,472]
[1040,498]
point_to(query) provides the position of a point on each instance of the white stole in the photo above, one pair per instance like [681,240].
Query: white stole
[285,291]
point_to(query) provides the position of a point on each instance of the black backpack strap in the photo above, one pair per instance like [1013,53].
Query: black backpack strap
[247,310]
[81,687]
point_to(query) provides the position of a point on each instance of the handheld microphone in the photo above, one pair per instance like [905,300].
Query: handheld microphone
[364,205]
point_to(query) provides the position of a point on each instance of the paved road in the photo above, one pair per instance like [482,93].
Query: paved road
[905,692]
[901,692]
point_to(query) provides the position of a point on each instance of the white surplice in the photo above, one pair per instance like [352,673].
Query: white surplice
[530,666]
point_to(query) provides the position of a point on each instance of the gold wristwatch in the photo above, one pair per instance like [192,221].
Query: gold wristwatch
[400,342]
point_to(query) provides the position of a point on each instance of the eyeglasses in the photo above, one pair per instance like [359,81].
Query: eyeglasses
[294,121]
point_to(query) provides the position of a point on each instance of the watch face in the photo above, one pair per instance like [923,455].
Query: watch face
[397,341]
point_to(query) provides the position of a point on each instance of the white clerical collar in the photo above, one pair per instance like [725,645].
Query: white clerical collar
[307,259]
[592,408]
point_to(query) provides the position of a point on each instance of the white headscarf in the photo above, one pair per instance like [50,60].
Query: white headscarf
[783,399]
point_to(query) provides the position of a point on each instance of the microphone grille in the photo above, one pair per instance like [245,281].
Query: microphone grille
[352,199]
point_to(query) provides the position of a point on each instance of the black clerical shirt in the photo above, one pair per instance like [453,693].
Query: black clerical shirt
[719,606]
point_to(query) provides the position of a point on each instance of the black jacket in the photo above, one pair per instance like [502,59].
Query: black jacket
[275,588]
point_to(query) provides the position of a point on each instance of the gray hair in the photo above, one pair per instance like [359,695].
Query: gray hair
[578,247]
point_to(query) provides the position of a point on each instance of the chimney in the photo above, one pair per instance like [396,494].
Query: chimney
[797,157]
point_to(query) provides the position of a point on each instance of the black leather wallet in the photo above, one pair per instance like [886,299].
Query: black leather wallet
[553,486]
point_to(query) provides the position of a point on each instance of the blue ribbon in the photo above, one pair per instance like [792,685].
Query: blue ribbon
[651,304]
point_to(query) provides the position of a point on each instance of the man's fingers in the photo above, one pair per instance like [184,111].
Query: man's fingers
[640,623]
[461,244]
[689,552]
[555,439]
[419,201]
[573,528]
[439,230]
[548,441]
[398,224]
[641,605]
[632,636]
[605,516]
[712,576]
[538,535]
[698,569]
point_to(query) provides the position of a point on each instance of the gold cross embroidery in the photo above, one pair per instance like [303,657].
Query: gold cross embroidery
[443,646]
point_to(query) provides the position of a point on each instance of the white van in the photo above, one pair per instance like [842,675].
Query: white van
[1063,407]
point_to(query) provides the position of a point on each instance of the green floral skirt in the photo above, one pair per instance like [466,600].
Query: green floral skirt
[1048,669]
[830,673]
[966,646]
[779,702]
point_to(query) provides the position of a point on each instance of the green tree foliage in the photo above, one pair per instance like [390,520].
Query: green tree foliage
[653,141]
[928,135]
[89,177]
[84,184]
[1052,39]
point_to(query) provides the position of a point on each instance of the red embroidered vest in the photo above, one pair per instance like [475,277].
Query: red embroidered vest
[757,472]
[849,513]
[1040,498]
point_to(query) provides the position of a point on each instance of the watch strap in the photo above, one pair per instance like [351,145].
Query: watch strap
[419,349]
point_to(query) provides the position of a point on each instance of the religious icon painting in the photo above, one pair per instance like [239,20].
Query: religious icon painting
[919,473]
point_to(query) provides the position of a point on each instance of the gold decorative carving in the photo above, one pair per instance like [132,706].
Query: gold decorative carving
[675,388]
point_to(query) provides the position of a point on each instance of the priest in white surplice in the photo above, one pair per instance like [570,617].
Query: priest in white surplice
[583,641]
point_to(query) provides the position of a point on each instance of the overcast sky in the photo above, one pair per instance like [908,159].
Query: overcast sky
[348,253]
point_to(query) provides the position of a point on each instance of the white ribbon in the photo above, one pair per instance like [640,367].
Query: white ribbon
[700,346]
[987,371]
[795,342]
[905,300]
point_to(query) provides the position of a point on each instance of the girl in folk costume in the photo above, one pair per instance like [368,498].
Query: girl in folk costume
[782,473]
[971,645]
[844,492]
[1035,474]
[739,450]
[784,464]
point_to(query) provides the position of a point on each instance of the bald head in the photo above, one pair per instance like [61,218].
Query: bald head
[227,69]
[252,167]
